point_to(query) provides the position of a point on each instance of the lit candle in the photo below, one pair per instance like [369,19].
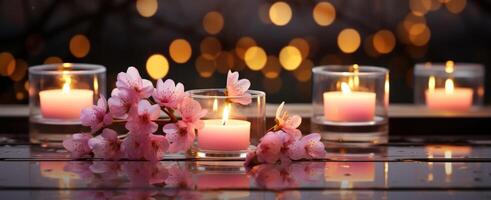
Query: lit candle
[448,98]
[65,103]
[224,134]
[349,106]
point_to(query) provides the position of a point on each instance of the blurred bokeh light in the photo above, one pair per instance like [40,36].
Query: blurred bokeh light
[275,44]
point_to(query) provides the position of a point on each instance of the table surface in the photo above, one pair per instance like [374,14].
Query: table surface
[408,167]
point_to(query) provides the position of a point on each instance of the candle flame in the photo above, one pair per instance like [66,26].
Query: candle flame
[215,105]
[431,84]
[449,66]
[345,88]
[226,111]
[96,85]
[67,65]
[387,84]
[66,86]
[449,86]
[356,79]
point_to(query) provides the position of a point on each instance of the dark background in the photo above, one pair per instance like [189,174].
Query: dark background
[119,35]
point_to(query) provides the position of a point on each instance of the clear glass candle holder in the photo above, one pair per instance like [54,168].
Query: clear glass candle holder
[57,94]
[350,104]
[230,129]
[454,87]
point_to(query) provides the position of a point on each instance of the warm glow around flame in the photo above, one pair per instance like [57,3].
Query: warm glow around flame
[431,84]
[449,87]
[345,88]
[449,66]
[68,81]
[226,111]
[215,105]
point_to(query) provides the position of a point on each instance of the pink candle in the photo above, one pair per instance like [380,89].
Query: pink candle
[64,104]
[448,98]
[459,99]
[232,136]
[349,106]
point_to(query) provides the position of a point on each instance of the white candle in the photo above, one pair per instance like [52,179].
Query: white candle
[448,98]
[349,106]
[224,134]
[64,103]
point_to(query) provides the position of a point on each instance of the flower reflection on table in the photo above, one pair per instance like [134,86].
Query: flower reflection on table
[133,179]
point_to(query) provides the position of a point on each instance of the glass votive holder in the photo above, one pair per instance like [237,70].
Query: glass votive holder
[350,104]
[230,129]
[450,87]
[57,95]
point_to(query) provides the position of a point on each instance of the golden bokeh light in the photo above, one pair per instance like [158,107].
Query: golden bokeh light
[180,50]
[53,60]
[435,4]
[456,6]
[304,72]
[349,40]
[255,58]
[210,48]
[272,68]
[324,13]
[7,62]
[242,45]
[272,85]
[369,48]
[157,66]
[290,58]
[19,95]
[79,45]
[411,20]
[419,7]
[147,8]
[213,22]
[20,70]
[302,45]
[419,34]
[205,67]
[224,62]
[384,41]
[280,13]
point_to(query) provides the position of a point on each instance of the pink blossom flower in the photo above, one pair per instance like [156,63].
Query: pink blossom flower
[133,83]
[106,170]
[134,146]
[308,147]
[158,146]
[288,124]
[121,103]
[191,114]
[168,94]
[269,148]
[250,158]
[180,139]
[141,121]
[96,116]
[78,144]
[237,89]
[179,177]
[272,176]
[106,145]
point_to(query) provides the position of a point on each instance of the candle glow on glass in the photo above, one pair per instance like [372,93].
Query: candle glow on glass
[65,103]
[450,97]
[224,134]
